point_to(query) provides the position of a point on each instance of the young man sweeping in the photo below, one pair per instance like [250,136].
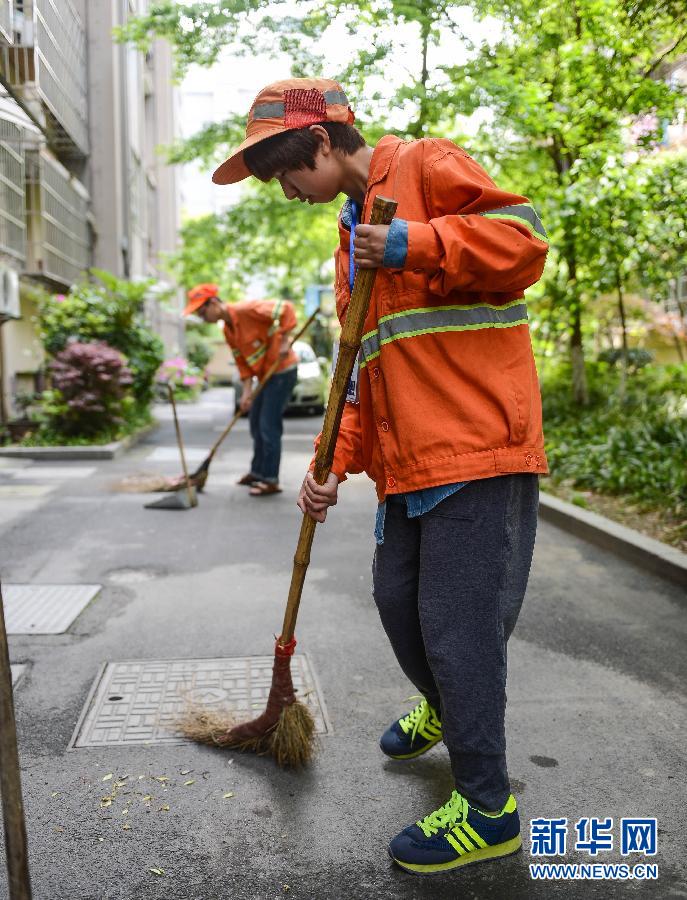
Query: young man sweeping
[257,332]
[445,417]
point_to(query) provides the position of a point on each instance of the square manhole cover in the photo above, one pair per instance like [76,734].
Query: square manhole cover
[45,608]
[138,701]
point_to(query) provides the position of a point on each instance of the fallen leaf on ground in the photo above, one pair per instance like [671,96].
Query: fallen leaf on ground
[227,795]
[164,808]
[161,778]
[126,826]
[107,777]
[54,794]
[190,781]
[105,801]
[147,798]
[184,771]
[157,871]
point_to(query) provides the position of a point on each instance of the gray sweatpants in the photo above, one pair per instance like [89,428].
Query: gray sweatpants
[449,586]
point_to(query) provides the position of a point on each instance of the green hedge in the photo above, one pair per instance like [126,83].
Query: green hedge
[635,446]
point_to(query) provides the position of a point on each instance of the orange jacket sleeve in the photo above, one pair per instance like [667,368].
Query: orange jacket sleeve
[348,457]
[244,371]
[479,237]
[286,322]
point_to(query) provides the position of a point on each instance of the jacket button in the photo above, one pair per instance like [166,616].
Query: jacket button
[384,425]
[375,372]
[391,482]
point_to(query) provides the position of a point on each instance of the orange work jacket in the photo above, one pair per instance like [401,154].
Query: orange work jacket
[256,337]
[448,386]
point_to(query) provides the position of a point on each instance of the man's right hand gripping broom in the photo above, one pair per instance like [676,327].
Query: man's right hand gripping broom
[315,499]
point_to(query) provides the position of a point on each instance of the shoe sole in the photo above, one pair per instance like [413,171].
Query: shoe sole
[486,854]
[417,753]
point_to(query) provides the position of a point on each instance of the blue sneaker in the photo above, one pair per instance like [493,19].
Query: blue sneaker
[412,735]
[456,835]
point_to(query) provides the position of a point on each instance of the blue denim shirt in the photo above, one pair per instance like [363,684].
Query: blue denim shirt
[417,503]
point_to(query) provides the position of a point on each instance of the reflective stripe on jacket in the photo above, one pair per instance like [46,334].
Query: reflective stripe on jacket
[258,328]
[448,388]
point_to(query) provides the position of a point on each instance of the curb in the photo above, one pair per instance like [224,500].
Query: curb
[648,553]
[88,451]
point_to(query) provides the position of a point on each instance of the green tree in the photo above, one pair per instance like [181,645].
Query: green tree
[287,244]
[561,85]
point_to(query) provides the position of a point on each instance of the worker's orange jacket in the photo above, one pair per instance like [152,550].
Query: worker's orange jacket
[448,385]
[259,326]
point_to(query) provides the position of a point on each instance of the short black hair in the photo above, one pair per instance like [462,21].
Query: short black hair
[297,148]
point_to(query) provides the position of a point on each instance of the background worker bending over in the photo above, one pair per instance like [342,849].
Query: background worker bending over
[257,331]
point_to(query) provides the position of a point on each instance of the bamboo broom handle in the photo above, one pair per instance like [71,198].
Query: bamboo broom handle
[10,780]
[270,372]
[180,444]
[351,335]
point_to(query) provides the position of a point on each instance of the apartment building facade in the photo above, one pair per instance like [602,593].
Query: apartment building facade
[81,181]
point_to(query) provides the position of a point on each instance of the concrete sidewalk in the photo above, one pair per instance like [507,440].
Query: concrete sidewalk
[596,715]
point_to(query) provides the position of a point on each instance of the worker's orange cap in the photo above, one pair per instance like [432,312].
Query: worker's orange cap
[283,106]
[199,295]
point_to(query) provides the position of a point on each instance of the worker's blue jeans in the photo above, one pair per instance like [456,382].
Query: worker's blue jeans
[266,425]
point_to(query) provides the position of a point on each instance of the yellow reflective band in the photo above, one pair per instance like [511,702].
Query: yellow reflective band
[253,358]
[276,312]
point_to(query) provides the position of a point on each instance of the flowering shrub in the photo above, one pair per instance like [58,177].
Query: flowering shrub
[109,310]
[91,390]
[187,380]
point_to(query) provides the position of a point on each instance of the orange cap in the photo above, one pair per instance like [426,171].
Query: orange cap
[199,295]
[283,106]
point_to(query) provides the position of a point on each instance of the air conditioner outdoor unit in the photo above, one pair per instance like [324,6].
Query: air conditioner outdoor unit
[9,293]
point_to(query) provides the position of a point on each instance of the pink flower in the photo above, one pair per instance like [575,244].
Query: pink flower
[60,298]
[190,380]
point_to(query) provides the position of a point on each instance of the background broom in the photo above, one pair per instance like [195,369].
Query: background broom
[286,727]
[197,479]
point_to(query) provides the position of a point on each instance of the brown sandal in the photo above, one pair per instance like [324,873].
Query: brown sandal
[261,489]
[248,480]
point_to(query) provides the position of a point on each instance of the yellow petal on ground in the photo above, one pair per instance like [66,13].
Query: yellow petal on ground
[157,871]
[107,777]
[126,826]
[161,778]
[227,795]
[190,781]
[164,808]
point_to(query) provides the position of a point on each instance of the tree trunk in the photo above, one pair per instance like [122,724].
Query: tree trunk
[623,325]
[417,129]
[579,373]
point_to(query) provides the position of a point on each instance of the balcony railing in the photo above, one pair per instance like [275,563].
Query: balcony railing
[12,205]
[59,234]
[6,20]
[47,66]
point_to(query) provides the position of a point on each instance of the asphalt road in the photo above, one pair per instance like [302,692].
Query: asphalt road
[596,713]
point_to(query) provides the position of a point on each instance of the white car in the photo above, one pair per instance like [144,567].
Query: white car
[311,388]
